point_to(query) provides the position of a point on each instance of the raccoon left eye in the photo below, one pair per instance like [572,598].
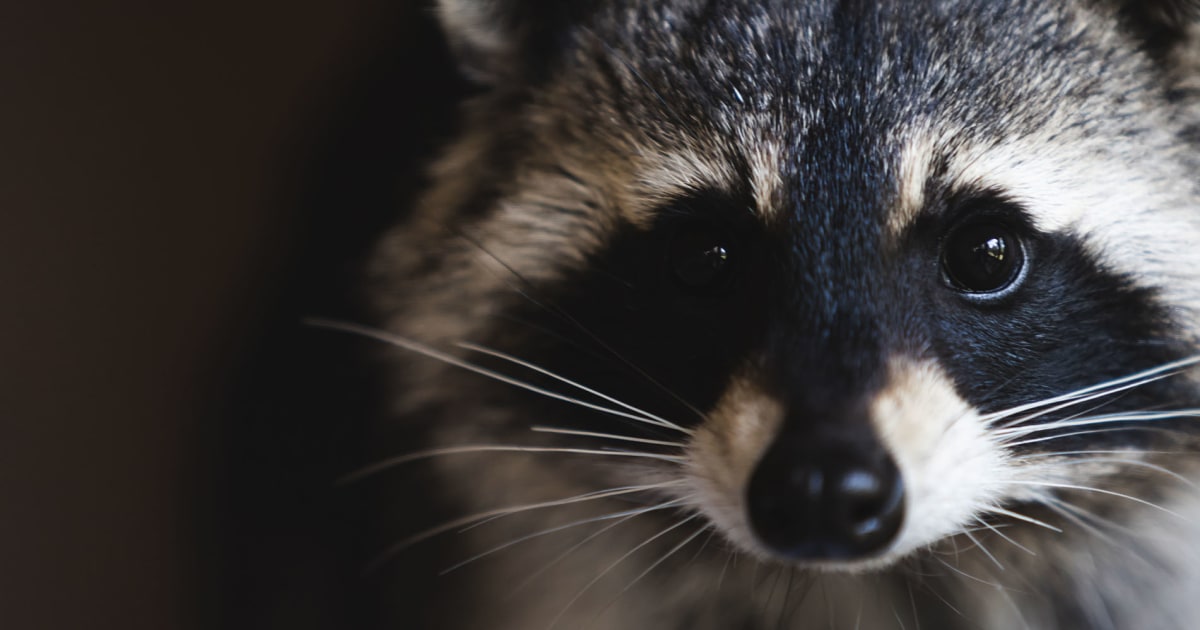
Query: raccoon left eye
[700,258]
[982,257]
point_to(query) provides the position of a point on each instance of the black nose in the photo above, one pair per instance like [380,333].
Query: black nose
[814,501]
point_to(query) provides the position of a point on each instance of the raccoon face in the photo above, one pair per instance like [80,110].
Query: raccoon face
[845,279]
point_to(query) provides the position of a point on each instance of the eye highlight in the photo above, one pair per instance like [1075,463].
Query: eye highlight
[982,257]
[700,258]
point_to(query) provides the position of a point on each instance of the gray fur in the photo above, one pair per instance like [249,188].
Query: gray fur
[599,114]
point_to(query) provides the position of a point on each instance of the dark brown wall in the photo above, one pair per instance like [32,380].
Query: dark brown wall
[148,159]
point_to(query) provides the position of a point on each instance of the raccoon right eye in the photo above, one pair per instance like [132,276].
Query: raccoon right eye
[982,258]
[700,258]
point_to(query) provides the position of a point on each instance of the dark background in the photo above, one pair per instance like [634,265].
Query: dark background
[180,183]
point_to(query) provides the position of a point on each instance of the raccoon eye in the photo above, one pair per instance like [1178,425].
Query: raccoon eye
[982,257]
[699,258]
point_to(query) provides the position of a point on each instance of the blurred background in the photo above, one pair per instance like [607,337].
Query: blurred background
[180,184]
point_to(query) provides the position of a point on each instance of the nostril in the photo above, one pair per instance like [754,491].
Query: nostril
[872,502]
[863,500]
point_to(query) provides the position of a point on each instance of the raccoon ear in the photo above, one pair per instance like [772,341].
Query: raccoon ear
[499,41]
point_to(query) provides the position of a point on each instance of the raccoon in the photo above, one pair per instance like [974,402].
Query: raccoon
[804,314]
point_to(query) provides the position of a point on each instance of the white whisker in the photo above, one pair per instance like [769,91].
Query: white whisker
[1113,493]
[607,436]
[1036,456]
[422,349]
[1101,389]
[566,317]
[1021,517]
[559,528]
[896,614]
[1110,525]
[1068,511]
[525,364]
[391,462]
[649,487]
[618,561]
[932,591]
[912,602]
[968,575]
[562,556]
[704,545]
[996,530]
[505,511]
[1077,461]
[655,565]
[1075,400]
[984,549]
[1137,416]
[724,569]
[1060,436]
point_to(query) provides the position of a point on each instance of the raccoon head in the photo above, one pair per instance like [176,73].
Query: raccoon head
[852,277]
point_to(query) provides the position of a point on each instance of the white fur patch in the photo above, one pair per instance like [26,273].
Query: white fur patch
[724,452]
[916,156]
[658,177]
[766,180]
[952,469]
